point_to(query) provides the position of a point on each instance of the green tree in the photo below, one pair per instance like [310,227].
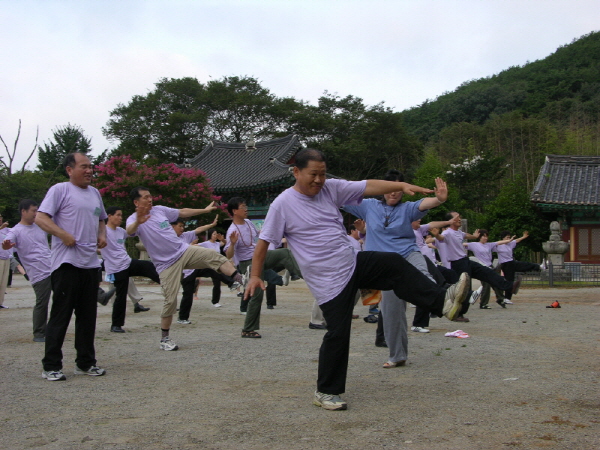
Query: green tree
[174,122]
[66,139]
[513,211]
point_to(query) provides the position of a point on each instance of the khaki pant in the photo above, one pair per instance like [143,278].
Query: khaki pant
[4,269]
[170,279]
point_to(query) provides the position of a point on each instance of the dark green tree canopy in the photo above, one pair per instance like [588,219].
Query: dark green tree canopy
[66,139]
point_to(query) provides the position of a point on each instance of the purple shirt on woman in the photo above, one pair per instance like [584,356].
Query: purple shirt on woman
[32,244]
[114,254]
[454,244]
[483,252]
[505,252]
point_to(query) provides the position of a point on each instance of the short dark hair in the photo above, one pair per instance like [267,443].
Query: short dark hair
[505,233]
[308,154]
[69,160]
[394,175]
[234,203]
[351,228]
[449,215]
[483,232]
[179,220]
[27,203]
[112,210]
[135,192]
[210,231]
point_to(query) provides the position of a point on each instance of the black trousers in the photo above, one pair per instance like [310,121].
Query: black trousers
[137,268]
[482,273]
[511,267]
[374,270]
[73,290]
[189,286]
[442,276]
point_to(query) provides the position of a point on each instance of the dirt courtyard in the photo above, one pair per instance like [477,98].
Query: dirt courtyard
[526,378]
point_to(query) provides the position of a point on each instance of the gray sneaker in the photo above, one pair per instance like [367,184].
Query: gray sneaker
[246,276]
[93,371]
[53,375]
[184,321]
[330,402]
[286,277]
[455,295]
[168,345]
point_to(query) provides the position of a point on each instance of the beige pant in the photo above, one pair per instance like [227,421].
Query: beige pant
[170,279]
[4,269]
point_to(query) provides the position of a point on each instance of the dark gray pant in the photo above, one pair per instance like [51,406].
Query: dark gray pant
[43,290]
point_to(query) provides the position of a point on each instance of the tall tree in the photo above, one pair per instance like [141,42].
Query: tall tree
[173,122]
[66,139]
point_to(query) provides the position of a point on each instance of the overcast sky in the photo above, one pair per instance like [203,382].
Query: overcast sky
[74,61]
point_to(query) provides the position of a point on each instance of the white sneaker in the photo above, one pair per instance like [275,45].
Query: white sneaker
[419,329]
[286,277]
[93,371]
[243,313]
[475,295]
[508,302]
[217,305]
[184,321]
[168,345]
[330,402]
[455,295]
[53,375]
[234,287]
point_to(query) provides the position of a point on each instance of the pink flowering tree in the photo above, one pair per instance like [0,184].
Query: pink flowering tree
[169,185]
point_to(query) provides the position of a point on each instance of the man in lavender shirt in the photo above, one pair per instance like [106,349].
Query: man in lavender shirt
[73,213]
[170,254]
[118,263]
[331,267]
[32,243]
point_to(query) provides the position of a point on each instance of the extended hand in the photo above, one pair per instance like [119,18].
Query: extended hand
[254,283]
[7,245]
[441,190]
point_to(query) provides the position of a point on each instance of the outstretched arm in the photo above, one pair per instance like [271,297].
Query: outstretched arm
[189,212]
[207,227]
[380,187]
[525,236]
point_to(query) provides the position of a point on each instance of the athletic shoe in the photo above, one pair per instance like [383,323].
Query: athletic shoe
[234,286]
[455,295]
[167,344]
[3,307]
[316,326]
[243,313]
[184,321]
[485,307]
[217,305]
[246,276]
[286,277]
[39,339]
[508,302]
[501,303]
[270,307]
[53,375]
[475,295]
[330,402]
[93,371]
[419,329]
[116,329]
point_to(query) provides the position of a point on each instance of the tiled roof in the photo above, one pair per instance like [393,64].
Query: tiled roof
[568,181]
[230,167]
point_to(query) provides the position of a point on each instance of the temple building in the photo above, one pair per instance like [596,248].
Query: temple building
[568,190]
[256,171]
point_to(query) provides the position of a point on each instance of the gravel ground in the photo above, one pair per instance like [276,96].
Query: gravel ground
[526,378]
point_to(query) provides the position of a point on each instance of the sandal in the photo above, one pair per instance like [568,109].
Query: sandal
[251,334]
[391,365]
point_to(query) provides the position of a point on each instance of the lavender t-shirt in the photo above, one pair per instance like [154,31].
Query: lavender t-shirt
[483,252]
[442,247]
[454,244]
[34,253]
[78,211]
[5,254]
[216,246]
[114,254]
[159,237]
[423,247]
[244,246]
[316,235]
[505,252]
